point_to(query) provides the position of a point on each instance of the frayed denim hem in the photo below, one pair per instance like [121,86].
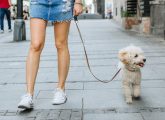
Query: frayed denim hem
[54,21]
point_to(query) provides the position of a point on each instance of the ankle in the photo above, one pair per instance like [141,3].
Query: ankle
[30,94]
[61,87]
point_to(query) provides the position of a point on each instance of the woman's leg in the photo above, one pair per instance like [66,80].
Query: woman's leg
[8,16]
[2,15]
[38,29]
[61,41]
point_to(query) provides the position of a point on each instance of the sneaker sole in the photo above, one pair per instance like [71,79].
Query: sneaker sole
[59,103]
[25,107]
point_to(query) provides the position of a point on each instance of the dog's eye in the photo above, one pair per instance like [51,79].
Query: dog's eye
[136,55]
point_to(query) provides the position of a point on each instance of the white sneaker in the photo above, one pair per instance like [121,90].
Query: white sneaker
[59,97]
[26,102]
[1,31]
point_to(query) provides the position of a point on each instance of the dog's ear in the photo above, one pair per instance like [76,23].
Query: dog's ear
[123,56]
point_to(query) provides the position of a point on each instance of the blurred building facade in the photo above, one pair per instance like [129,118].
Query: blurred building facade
[103,7]
[108,8]
[140,15]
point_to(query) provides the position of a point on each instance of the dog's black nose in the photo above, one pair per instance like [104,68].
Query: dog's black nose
[144,60]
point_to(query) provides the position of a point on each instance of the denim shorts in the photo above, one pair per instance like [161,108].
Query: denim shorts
[52,10]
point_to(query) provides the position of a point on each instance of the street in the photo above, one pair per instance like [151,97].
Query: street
[88,99]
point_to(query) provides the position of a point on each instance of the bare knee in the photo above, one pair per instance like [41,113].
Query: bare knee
[61,45]
[36,47]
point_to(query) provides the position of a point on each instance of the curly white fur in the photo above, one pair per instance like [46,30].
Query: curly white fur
[132,59]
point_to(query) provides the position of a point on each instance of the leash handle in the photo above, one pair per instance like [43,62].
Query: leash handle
[75,18]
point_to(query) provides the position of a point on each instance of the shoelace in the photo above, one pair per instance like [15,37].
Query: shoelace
[60,93]
[27,96]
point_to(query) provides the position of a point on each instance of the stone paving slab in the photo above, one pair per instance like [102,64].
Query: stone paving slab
[69,114]
[12,118]
[43,96]
[81,74]
[79,62]
[153,115]
[150,97]
[114,116]
[87,114]
[74,101]
[118,84]
[107,99]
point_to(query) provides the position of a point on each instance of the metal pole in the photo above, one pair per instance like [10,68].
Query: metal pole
[101,7]
[19,9]
[164,21]
[164,24]
[19,25]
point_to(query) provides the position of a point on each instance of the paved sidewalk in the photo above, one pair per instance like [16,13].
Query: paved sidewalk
[88,99]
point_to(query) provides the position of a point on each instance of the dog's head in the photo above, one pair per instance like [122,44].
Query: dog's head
[132,56]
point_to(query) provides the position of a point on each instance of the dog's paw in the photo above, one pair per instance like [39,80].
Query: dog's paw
[137,98]
[136,94]
[129,100]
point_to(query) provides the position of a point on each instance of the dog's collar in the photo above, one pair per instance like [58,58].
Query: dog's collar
[131,69]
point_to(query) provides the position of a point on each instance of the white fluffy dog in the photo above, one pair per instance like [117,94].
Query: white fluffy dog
[132,59]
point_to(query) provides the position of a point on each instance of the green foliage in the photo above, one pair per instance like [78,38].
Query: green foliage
[126,14]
